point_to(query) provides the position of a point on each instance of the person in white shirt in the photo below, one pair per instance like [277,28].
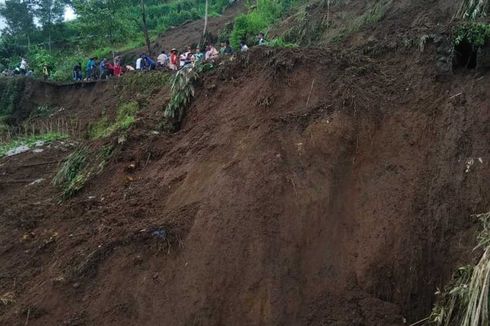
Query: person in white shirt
[243,46]
[23,66]
[162,59]
[139,63]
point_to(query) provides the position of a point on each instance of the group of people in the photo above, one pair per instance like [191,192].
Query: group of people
[23,69]
[175,60]
[96,69]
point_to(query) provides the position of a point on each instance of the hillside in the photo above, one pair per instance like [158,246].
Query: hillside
[333,184]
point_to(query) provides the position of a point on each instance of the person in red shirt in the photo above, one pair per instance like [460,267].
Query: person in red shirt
[117,70]
[174,62]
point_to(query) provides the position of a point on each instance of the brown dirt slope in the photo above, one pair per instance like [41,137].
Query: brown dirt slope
[306,187]
[332,193]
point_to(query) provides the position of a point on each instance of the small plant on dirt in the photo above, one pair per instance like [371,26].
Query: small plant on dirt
[465,302]
[30,141]
[7,298]
[183,91]
[44,111]
[70,176]
[476,34]
[79,167]
[126,116]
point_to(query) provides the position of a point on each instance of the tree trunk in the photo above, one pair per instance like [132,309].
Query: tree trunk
[49,40]
[145,27]
[205,23]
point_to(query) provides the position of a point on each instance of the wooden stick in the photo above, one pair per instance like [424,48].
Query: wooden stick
[28,314]
[311,90]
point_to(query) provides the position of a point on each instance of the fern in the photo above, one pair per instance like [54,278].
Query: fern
[183,91]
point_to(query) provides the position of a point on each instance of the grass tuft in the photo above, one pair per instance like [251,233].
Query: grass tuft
[465,302]
[126,116]
[79,167]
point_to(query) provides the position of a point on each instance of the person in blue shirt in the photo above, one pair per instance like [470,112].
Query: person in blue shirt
[90,68]
[103,69]
[149,63]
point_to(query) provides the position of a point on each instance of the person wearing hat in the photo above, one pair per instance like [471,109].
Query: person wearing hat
[174,62]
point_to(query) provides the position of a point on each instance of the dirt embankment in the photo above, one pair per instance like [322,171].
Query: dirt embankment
[305,188]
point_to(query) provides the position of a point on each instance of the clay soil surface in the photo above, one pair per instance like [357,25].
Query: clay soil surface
[332,193]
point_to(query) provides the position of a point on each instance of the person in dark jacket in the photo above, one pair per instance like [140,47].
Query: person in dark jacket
[77,72]
[149,63]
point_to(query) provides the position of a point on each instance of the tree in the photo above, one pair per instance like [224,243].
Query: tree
[145,26]
[19,18]
[102,20]
[205,21]
[49,12]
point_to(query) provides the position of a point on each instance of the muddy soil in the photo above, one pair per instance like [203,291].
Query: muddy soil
[333,193]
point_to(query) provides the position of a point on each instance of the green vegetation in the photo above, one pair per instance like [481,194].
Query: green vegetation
[258,19]
[465,302]
[30,141]
[79,167]
[182,92]
[476,34]
[126,115]
[10,94]
[145,84]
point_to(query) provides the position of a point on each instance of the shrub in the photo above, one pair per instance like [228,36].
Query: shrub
[476,34]
[260,17]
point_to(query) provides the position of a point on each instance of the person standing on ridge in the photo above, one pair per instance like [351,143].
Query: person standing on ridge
[198,56]
[77,72]
[261,39]
[23,66]
[103,69]
[211,53]
[162,59]
[89,68]
[149,63]
[227,49]
[243,46]
[174,63]
[139,63]
[46,71]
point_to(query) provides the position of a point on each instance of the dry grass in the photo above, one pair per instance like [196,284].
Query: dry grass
[7,298]
[466,301]
[473,9]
